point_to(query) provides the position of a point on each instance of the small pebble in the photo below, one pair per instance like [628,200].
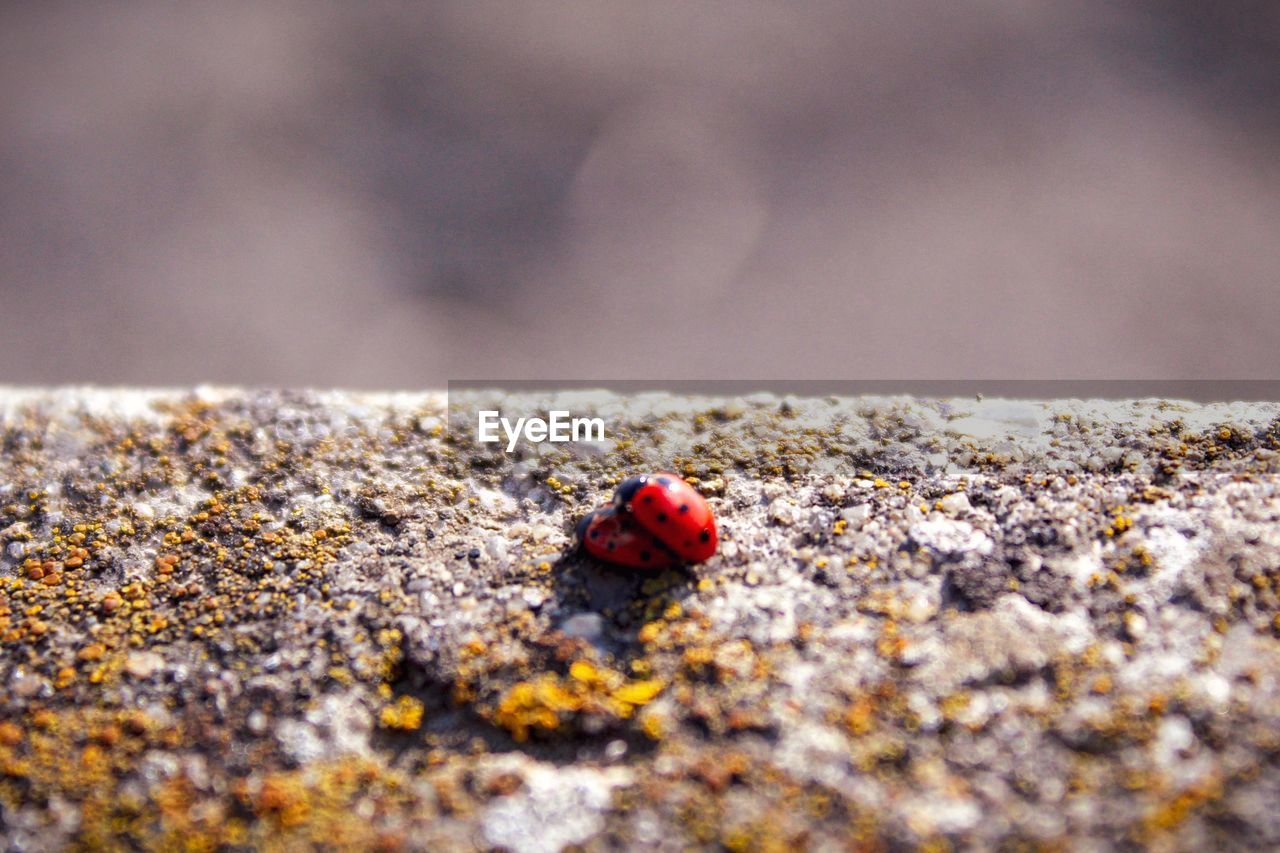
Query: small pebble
[956,504]
[783,512]
[143,665]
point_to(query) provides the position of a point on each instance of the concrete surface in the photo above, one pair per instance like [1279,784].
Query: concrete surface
[278,618]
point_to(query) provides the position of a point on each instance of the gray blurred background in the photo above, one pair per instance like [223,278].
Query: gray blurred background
[384,195]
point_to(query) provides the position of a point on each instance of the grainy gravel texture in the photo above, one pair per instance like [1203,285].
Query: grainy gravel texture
[233,618]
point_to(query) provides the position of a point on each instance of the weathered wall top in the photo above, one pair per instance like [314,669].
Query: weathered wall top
[250,617]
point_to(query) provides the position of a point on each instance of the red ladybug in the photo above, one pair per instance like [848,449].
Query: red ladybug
[671,510]
[613,535]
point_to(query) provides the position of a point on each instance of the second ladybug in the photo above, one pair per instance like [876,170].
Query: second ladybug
[614,536]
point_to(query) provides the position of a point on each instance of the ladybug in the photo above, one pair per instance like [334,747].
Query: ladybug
[613,535]
[671,510]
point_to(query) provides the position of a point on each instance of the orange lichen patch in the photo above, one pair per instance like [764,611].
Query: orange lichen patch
[954,705]
[289,809]
[653,725]
[282,799]
[405,714]
[91,652]
[696,658]
[66,677]
[543,704]
[165,564]
[650,632]
[860,716]
[1144,557]
[535,705]
[891,643]
[47,757]
[719,769]
[638,693]
[1167,815]
[10,734]
[589,674]
[1119,523]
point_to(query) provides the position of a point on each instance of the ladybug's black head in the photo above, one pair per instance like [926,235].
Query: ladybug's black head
[627,489]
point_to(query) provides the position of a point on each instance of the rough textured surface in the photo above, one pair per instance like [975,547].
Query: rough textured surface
[270,618]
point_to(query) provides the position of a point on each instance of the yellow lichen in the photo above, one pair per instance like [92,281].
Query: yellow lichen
[639,692]
[405,714]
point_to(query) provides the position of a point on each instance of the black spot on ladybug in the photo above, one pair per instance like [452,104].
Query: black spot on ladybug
[704,536]
[684,507]
[646,556]
[647,499]
[595,534]
[662,516]
[609,546]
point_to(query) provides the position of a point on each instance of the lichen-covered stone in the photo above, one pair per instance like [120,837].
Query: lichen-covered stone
[280,618]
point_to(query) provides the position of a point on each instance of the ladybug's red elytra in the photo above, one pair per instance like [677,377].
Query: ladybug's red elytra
[671,510]
[655,520]
[613,535]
